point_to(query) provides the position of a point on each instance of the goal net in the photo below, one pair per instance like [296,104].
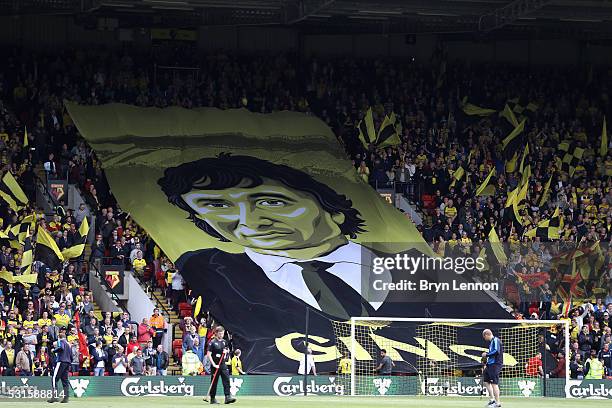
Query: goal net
[443,357]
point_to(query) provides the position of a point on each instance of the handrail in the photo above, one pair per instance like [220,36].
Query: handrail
[46,190]
[160,304]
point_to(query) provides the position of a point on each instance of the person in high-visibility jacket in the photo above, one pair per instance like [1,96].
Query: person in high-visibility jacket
[191,364]
[594,367]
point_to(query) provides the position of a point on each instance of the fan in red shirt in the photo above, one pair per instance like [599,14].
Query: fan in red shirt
[533,368]
[132,346]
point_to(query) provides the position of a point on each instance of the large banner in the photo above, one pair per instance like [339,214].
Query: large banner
[266,217]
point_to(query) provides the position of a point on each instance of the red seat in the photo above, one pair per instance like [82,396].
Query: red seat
[148,272]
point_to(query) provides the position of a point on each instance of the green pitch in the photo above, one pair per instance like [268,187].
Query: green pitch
[301,402]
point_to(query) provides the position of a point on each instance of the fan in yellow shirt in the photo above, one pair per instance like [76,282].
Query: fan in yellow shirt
[62,319]
[237,363]
[139,265]
[344,365]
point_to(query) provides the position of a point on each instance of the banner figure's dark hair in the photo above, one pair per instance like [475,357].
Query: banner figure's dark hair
[225,171]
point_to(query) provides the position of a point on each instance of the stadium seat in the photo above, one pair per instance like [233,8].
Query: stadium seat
[178,354]
[148,273]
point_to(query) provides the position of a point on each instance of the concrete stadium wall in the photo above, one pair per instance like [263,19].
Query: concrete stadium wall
[61,31]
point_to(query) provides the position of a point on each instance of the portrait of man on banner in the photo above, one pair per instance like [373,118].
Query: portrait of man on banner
[298,237]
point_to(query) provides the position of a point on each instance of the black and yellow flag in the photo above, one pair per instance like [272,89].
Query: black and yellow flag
[388,134]
[77,248]
[545,192]
[572,155]
[26,257]
[522,108]
[17,234]
[47,251]
[511,146]
[548,229]
[518,200]
[367,134]
[10,185]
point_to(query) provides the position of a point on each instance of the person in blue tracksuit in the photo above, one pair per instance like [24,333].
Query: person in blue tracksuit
[493,366]
[63,359]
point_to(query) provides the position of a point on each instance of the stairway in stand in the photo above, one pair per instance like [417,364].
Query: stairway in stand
[159,298]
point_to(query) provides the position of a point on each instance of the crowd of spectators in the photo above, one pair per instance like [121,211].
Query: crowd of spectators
[436,139]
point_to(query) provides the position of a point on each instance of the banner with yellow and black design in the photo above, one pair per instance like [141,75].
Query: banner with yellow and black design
[266,217]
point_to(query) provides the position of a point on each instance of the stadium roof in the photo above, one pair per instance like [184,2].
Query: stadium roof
[578,18]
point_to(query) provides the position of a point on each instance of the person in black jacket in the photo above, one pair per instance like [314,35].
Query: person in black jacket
[111,350]
[100,358]
[97,251]
[7,359]
[162,360]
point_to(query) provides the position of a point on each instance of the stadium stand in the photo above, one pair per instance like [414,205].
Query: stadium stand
[437,137]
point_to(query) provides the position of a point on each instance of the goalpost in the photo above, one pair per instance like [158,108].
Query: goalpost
[441,357]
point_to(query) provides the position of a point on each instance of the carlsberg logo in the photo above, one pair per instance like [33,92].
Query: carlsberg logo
[132,387]
[597,389]
[79,386]
[235,384]
[283,387]
[526,387]
[436,387]
[382,385]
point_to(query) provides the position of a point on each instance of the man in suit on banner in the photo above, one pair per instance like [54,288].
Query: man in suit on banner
[298,236]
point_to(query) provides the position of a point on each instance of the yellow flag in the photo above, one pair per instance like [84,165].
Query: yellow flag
[457,175]
[474,110]
[76,250]
[512,196]
[25,280]
[525,153]
[509,115]
[516,205]
[526,174]
[545,192]
[497,247]
[369,122]
[84,228]
[485,183]
[197,308]
[25,137]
